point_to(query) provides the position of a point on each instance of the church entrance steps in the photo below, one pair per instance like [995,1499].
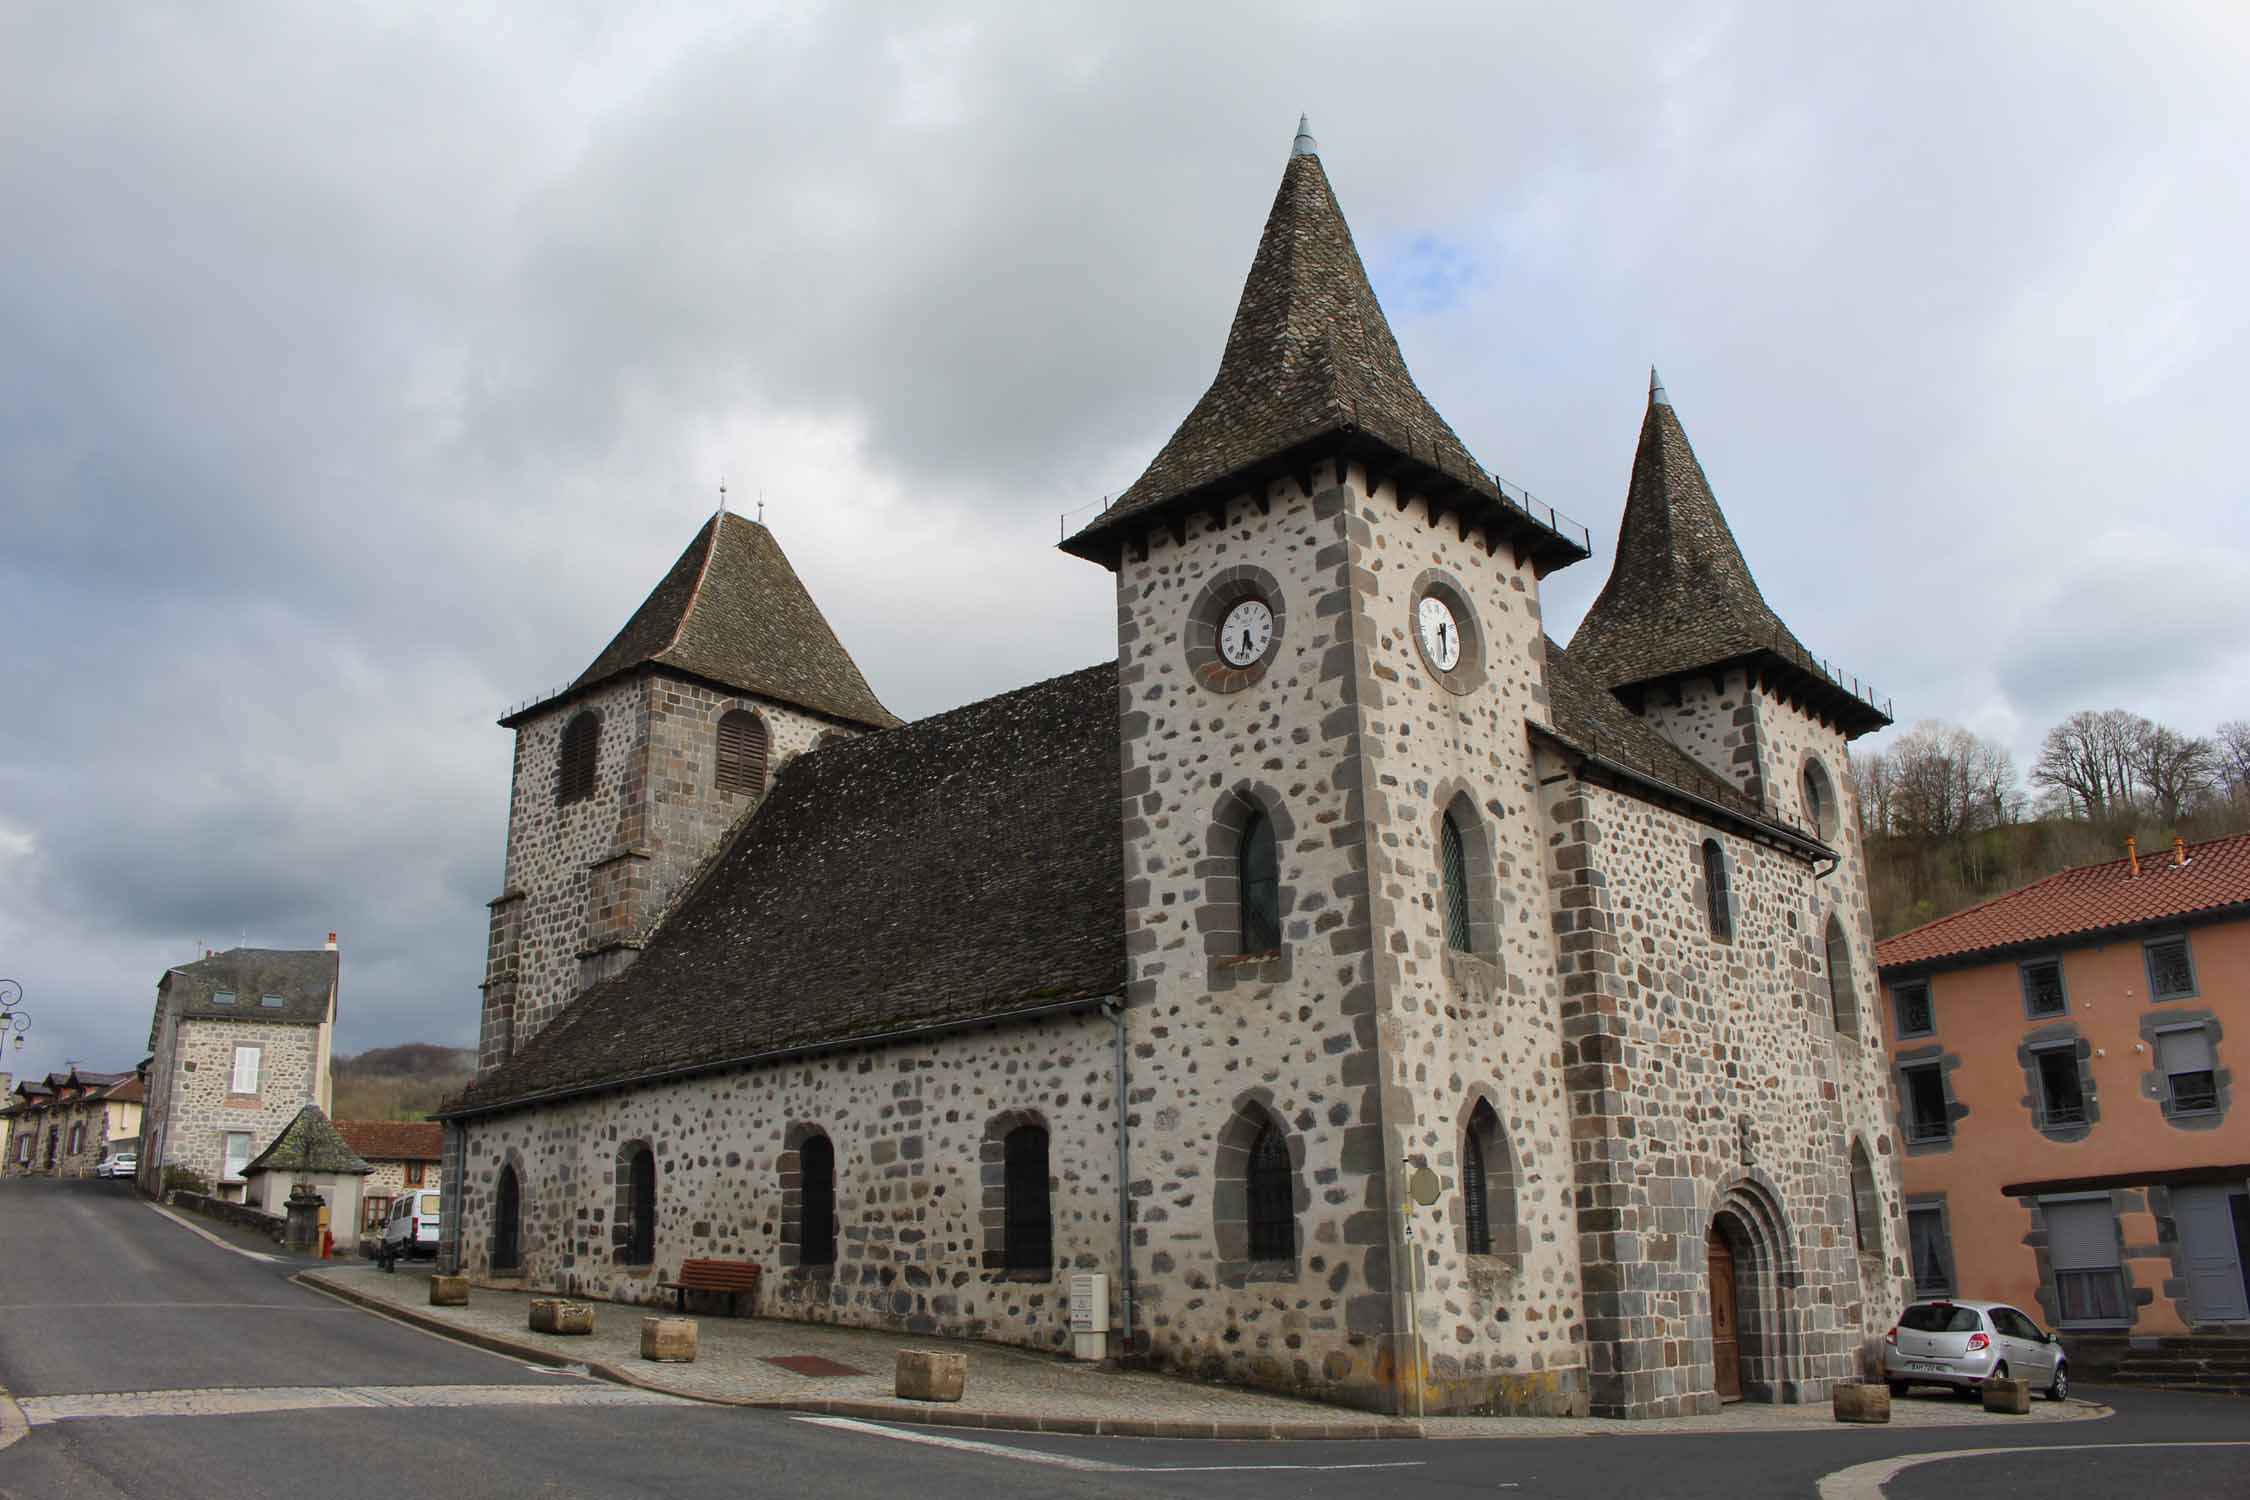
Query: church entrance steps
[785,1365]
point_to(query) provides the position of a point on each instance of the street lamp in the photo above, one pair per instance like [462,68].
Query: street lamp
[13,1017]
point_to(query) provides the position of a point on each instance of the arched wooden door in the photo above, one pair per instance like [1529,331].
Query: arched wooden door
[1726,1326]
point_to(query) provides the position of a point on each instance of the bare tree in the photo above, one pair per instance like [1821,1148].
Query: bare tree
[1872,786]
[2231,758]
[2174,769]
[1947,782]
[2091,758]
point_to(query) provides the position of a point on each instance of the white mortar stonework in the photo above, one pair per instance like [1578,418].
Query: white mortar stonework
[195,1063]
[586,881]
[908,1124]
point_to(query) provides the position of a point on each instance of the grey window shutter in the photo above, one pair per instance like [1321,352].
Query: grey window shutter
[2081,1236]
[2186,1051]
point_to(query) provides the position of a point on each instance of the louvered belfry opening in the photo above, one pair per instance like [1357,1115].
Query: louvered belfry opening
[816,1178]
[507,1221]
[1260,875]
[574,768]
[1030,1230]
[742,753]
[1273,1212]
[1455,859]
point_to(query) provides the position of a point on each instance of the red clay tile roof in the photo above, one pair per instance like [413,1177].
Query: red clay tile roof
[394,1140]
[2087,899]
[130,1091]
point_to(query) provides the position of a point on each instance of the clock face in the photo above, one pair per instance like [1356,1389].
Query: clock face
[1245,633]
[1441,633]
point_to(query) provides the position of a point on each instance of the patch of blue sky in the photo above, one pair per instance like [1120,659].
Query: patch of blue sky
[1426,274]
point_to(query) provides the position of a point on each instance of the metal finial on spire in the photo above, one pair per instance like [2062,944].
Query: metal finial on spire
[722,497]
[1656,395]
[1304,144]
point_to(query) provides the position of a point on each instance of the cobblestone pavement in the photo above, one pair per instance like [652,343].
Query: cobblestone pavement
[734,1363]
[41,1410]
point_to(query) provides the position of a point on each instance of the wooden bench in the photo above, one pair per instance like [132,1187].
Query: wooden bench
[736,1278]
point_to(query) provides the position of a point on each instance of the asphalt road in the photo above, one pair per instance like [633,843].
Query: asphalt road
[157,1364]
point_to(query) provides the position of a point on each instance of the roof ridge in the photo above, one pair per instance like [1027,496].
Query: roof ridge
[695,593]
[1993,900]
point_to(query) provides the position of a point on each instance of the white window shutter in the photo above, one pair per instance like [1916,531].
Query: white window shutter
[245,1070]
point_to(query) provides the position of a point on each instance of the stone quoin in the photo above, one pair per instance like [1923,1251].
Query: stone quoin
[1179,967]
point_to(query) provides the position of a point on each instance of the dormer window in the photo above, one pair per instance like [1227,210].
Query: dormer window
[222,997]
[272,1002]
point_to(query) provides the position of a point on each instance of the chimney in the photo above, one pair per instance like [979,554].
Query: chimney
[2133,853]
[332,942]
[2179,852]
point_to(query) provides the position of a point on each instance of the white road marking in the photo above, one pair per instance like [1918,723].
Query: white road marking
[1866,1481]
[1072,1461]
[201,1233]
[40,1411]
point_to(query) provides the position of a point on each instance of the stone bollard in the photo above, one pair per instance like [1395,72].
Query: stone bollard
[1870,1402]
[929,1375]
[556,1315]
[2008,1397]
[449,1291]
[668,1341]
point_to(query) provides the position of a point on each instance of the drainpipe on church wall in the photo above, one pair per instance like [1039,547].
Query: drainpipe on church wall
[1113,1012]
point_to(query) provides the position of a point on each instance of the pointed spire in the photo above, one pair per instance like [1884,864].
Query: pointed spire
[1680,597]
[1304,144]
[1310,354]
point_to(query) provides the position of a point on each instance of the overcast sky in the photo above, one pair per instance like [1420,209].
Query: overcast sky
[362,367]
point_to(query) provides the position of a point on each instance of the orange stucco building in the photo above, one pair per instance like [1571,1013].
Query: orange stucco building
[2065,1058]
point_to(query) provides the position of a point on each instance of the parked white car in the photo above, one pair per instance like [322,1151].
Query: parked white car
[1962,1344]
[411,1231]
[123,1164]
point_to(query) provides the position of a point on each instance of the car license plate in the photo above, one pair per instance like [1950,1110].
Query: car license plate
[1923,1364]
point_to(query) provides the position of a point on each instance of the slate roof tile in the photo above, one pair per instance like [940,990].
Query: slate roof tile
[309,1143]
[301,978]
[2083,901]
[964,866]
[733,611]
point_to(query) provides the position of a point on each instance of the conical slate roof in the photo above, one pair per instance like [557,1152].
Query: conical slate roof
[1680,598]
[733,612]
[1310,354]
[309,1143]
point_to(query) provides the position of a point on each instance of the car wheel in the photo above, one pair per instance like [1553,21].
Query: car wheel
[2058,1389]
[1898,1388]
[2000,1371]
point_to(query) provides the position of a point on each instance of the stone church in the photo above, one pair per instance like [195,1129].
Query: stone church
[1342,878]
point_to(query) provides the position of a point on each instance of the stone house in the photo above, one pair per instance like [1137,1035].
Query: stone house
[70,1123]
[240,1042]
[400,1154]
[1180,967]
[2064,1056]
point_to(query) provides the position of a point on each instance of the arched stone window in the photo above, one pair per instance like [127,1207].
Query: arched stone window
[1488,1186]
[507,1220]
[1453,864]
[1820,798]
[816,1200]
[1258,868]
[1273,1211]
[1718,899]
[574,766]
[635,1230]
[1030,1220]
[743,744]
[1843,995]
[1867,1204]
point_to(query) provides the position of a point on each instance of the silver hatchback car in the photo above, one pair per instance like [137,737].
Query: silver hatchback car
[1962,1344]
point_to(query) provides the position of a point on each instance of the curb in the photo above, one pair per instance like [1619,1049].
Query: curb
[878,1411]
[14,1426]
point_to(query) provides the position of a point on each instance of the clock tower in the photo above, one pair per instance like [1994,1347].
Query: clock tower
[1329,646]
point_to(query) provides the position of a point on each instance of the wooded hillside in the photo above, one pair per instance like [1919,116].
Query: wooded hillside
[1948,824]
[400,1083]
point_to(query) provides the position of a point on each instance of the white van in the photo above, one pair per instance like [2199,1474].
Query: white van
[411,1232]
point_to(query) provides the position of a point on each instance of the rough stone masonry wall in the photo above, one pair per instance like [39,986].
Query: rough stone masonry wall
[1705,1074]
[914,1190]
[1221,1040]
[1715,720]
[586,881]
[204,1112]
[1501,1331]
